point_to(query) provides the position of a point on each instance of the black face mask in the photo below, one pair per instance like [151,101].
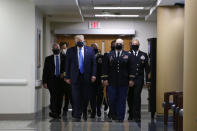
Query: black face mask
[80,44]
[119,46]
[135,47]
[113,48]
[96,51]
[56,51]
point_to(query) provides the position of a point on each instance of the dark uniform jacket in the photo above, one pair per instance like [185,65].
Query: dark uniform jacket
[141,65]
[99,62]
[49,68]
[118,71]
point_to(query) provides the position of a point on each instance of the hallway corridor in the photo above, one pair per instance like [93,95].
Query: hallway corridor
[43,122]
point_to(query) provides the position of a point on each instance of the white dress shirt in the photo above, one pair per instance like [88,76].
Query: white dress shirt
[117,53]
[55,62]
[135,53]
[82,51]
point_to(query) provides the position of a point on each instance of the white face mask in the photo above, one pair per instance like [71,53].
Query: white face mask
[64,51]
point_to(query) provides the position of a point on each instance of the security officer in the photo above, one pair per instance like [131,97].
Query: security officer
[97,88]
[117,76]
[140,60]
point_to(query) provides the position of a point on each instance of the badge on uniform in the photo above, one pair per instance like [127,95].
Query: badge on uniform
[142,57]
[100,60]
[125,57]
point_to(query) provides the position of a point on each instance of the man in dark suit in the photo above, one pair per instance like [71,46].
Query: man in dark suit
[67,91]
[117,76]
[96,87]
[141,65]
[52,80]
[80,73]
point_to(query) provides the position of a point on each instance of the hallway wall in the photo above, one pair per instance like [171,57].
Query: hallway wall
[144,29]
[190,67]
[170,30]
[17,55]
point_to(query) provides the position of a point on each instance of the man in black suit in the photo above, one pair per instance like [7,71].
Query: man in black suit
[118,76]
[52,80]
[80,73]
[67,91]
[97,88]
[141,65]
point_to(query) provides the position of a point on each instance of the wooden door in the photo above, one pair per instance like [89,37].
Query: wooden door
[89,39]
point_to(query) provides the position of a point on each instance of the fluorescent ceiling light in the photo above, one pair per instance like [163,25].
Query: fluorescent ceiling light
[108,15]
[119,8]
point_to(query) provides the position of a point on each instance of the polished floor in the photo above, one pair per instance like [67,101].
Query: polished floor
[43,122]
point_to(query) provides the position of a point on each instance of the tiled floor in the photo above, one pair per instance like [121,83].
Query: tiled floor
[43,122]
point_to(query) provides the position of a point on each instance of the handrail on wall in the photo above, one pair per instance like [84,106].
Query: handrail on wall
[13,82]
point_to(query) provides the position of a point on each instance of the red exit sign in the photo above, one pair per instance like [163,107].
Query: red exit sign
[94,25]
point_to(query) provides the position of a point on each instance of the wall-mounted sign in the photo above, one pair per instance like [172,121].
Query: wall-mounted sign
[94,25]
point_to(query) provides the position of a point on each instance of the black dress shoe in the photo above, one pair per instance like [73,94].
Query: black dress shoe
[130,118]
[85,117]
[92,116]
[54,115]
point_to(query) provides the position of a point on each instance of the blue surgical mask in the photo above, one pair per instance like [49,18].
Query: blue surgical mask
[80,44]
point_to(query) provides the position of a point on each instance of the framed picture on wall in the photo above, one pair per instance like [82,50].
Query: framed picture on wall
[38,48]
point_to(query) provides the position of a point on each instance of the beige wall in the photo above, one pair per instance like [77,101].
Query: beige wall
[170,32]
[17,55]
[190,67]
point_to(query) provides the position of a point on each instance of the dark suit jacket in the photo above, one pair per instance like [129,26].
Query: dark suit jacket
[141,64]
[49,68]
[72,64]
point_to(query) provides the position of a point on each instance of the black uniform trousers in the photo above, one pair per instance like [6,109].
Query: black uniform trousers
[80,97]
[55,89]
[96,97]
[134,98]
[67,93]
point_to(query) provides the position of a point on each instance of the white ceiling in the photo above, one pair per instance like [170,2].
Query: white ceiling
[67,10]
[77,10]
[88,11]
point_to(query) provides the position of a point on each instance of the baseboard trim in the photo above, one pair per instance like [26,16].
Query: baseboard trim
[160,117]
[22,116]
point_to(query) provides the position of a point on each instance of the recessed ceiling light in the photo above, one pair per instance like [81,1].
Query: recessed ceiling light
[108,15]
[119,8]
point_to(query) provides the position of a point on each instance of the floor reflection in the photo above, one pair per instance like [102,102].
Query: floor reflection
[43,122]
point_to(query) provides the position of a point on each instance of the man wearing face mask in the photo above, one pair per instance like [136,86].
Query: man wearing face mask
[63,47]
[80,73]
[140,60]
[52,80]
[97,88]
[67,91]
[117,76]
